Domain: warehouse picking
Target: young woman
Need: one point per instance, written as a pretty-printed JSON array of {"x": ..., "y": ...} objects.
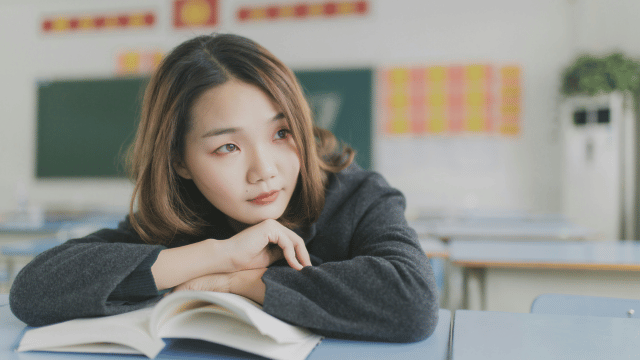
[{"x": 237, "y": 191}]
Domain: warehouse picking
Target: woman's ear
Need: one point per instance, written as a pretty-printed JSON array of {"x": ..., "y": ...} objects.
[{"x": 182, "y": 170}]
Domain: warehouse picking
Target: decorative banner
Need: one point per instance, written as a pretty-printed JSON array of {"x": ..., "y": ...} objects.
[
  {"x": 59, "y": 24},
  {"x": 195, "y": 13},
  {"x": 138, "y": 62},
  {"x": 303, "y": 10},
  {"x": 510, "y": 107},
  {"x": 448, "y": 100}
]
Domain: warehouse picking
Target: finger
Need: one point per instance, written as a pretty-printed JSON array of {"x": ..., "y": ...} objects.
[
  {"x": 289, "y": 252},
  {"x": 300, "y": 248},
  {"x": 302, "y": 253}
]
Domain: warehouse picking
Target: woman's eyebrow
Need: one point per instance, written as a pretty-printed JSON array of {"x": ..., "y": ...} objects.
[
  {"x": 222, "y": 131},
  {"x": 216, "y": 132}
]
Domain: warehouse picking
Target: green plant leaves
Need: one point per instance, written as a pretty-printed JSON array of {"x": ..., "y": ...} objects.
[{"x": 590, "y": 75}]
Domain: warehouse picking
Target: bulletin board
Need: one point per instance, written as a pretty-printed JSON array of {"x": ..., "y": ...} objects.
[
  {"x": 341, "y": 103},
  {"x": 84, "y": 127}
]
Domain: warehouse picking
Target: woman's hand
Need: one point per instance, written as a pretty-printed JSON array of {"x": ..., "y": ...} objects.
[
  {"x": 212, "y": 282},
  {"x": 253, "y": 248},
  {"x": 262, "y": 244},
  {"x": 247, "y": 283}
]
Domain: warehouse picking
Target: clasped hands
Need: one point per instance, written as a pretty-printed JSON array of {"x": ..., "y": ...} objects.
[{"x": 248, "y": 255}]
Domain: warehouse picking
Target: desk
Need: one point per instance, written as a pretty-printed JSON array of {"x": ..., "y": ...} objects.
[
  {"x": 550, "y": 228},
  {"x": 512, "y": 230},
  {"x": 510, "y": 275},
  {"x": 480, "y": 335},
  {"x": 513, "y": 227},
  {"x": 434, "y": 347},
  {"x": 434, "y": 248},
  {"x": 47, "y": 228}
]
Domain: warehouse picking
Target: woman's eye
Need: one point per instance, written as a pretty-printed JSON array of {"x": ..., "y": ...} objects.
[
  {"x": 282, "y": 133},
  {"x": 227, "y": 148}
]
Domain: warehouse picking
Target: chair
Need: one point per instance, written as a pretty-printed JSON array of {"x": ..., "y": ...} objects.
[{"x": 562, "y": 304}]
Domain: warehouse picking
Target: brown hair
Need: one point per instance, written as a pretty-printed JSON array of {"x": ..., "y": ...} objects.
[{"x": 169, "y": 205}]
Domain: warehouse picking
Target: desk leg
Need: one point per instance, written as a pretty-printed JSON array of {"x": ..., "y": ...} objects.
[
  {"x": 445, "y": 296},
  {"x": 465, "y": 288},
  {"x": 473, "y": 289}
]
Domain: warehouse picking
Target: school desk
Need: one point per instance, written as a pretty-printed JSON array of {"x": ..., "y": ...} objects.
[
  {"x": 11, "y": 234},
  {"x": 508, "y": 276},
  {"x": 434, "y": 347},
  {"x": 533, "y": 227},
  {"x": 489, "y": 335},
  {"x": 515, "y": 228},
  {"x": 563, "y": 304},
  {"x": 512, "y": 230},
  {"x": 19, "y": 227},
  {"x": 434, "y": 247}
]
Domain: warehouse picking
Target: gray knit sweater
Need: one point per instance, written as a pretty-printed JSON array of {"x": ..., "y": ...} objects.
[{"x": 370, "y": 279}]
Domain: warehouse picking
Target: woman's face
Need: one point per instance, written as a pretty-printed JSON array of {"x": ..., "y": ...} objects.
[{"x": 240, "y": 154}]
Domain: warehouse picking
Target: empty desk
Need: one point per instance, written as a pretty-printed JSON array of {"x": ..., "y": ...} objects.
[
  {"x": 563, "y": 304},
  {"x": 502, "y": 226},
  {"x": 480, "y": 335},
  {"x": 512, "y": 230},
  {"x": 510, "y": 275}
]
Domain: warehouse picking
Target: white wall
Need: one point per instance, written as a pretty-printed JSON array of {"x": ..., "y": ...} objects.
[{"x": 437, "y": 172}]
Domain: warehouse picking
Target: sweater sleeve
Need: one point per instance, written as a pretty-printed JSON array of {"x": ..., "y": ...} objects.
[
  {"x": 104, "y": 273},
  {"x": 139, "y": 284},
  {"x": 384, "y": 291}
]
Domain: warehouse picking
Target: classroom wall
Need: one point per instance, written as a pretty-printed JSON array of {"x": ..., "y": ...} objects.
[{"x": 486, "y": 171}]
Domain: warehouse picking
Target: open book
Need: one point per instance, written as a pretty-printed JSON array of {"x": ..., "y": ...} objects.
[{"x": 221, "y": 318}]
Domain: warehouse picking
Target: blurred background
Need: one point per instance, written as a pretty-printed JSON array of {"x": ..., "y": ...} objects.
[
  {"x": 442, "y": 166},
  {"x": 501, "y": 110}
]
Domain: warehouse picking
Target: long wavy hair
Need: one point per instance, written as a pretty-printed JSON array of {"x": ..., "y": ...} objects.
[{"x": 170, "y": 206}]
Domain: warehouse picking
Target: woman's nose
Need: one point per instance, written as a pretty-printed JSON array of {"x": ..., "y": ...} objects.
[{"x": 262, "y": 167}]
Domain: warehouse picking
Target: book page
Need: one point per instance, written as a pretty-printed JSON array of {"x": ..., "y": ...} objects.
[
  {"x": 119, "y": 333},
  {"x": 230, "y": 320},
  {"x": 209, "y": 324},
  {"x": 242, "y": 308}
]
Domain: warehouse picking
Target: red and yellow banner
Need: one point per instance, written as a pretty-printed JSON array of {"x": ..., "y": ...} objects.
[
  {"x": 195, "y": 13},
  {"x": 62, "y": 23},
  {"x": 449, "y": 100},
  {"x": 303, "y": 10},
  {"x": 510, "y": 106}
]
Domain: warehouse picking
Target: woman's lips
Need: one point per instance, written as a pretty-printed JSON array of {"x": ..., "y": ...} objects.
[{"x": 266, "y": 198}]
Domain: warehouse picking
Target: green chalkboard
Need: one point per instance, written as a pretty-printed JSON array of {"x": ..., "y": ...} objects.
[
  {"x": 85, "y": 126},
  {"x": 341, "y": 102}
]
